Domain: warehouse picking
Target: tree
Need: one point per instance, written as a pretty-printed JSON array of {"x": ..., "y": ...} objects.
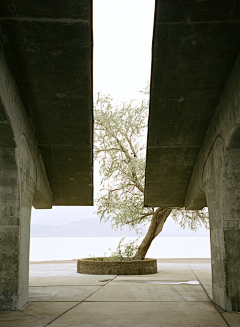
[{"x": 119, "y": 146}]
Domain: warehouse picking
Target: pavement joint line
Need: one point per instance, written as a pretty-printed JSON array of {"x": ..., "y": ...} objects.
[
  {"x": 181, "y": 301},
  {"x": 158, "y": 282},
  {"x": 220, "y": 311},
  {"x": 200, "y": 283},
  {"x": 65, "y": 285},
  {"x": 149, "y": 301},
  {"x": 55, "y": 301},
  {"x": 101, "y": 286},
  {"x": 214, "y": 304},
  {"x": 78, "y": 303},
  {"x": 225, "y": 319},
  {"x": 62, "y": 313}
]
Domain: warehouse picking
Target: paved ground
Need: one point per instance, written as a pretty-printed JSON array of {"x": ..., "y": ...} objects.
[{"x": 178, "y": 295}]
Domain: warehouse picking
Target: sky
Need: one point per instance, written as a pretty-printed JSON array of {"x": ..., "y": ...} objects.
[
  {"x": 122, "y": 36},
  {"x": 122, "y": 46}
]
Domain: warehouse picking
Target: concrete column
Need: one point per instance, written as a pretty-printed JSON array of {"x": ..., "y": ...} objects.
[
  {"x": 16, "y": 196},
  {"x": 23, "y": 182},
  {"x": 217, "y": 176},
  {"x": 222, "y": 190}
]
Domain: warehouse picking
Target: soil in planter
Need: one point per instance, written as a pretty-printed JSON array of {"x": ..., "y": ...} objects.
[{"x": 111, "y": 259}]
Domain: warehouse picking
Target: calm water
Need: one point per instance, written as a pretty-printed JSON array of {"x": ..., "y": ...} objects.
[{"x": 68, "y": 248}]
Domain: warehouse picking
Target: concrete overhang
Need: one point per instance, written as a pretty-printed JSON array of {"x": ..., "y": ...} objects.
[
  {"x": 49, "y": 50},
  {"x": 195, "y": 46}
]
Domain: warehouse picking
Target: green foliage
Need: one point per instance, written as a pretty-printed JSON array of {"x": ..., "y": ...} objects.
[
  {"x": 120, "y": 138},
  {"x": 120, "y": 148},
  {"x": 124, "y": 252},
  {"x": 192, "y": 219}
]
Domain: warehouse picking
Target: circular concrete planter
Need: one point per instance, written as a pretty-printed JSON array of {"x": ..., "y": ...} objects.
[{"x": 99, "y": 266}]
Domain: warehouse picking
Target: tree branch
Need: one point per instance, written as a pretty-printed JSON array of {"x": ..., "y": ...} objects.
[
  {"x": 106, "y": 150},
  {"x": 139, "y": 218},
  {"x": 125, "y": 151}
]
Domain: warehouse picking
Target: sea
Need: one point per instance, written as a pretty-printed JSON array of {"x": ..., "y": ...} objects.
[{"x": 69, "y": 248}]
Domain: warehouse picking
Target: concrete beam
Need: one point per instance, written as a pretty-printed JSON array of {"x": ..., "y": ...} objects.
[
  {"x": 49, "y": 50},
  {"x": 195, "y": 47}
]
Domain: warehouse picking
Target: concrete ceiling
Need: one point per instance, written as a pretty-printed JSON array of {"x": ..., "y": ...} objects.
[
  {"x": 49, "y": 50},
  {"x": 195, "y": 46}
]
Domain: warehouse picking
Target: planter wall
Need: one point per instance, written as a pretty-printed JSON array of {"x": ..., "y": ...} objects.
[{"x": 98, "y": 266}]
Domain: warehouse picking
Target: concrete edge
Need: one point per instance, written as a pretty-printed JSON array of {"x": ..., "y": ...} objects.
[{"x": 173, "y": 260}]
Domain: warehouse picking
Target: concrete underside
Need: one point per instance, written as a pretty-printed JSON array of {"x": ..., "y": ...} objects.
[
  {"x": 48, "y": 47},
  {"x": 60, "y": 297},
  {"x": 195, "y": 47}
]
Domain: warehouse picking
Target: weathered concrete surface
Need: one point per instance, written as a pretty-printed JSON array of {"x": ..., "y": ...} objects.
[
  {"x": 16, "y": 318},
  {"x": 22, "y": 174},
  {"x": 18, "y": 138},
  {"x": 168, "y": 275},
  {"x": 35, "y": 314},
  {"x": 132, "y": 292},
  {"x": 80, "y": 280},
  {"x": 194, "y": 137},
  {"x": 232, "y": 319},
  {"x": 205, "y": 278},
  {"x": 63, "y": 293},
  {"x": 144, "y": 314},
  {"x": 49, "y": 52},
  {"x": 45, "y": 124},
  {"x": 130, "y": 312},
  {"x": 195, "y": 46},
  {"x": 217, "y": 174}
]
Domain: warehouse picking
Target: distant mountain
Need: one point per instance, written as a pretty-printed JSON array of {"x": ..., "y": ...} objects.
[
  {"x": 82, "y": 228},
  {"x": 93, "y": 228}
]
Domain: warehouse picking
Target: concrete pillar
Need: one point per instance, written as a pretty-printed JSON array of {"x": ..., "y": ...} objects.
[
  {"x": 23, "y": 183},
  {"x": 217, "y": 176},
  {"x": 17, "y": 187},
  {"x": 222, "y": 190}
]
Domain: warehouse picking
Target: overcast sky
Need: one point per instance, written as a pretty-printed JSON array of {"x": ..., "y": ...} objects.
[
  {"x": 122, "y": 46},
  {"x": 122, "y": 31}
]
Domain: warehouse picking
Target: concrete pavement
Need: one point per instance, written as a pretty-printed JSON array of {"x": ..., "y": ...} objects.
[{"x": 178, "y": 295}]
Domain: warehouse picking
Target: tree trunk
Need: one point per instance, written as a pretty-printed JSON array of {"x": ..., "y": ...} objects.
[{"x": 156, "y": 226}]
